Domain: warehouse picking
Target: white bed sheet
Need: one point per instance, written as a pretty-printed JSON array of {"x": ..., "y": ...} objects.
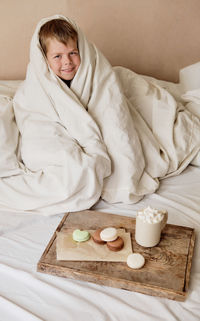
[{"x": 27, "y": 295}]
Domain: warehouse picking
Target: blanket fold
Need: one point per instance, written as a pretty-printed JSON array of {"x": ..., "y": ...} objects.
[{"x": 112, "y": 134}]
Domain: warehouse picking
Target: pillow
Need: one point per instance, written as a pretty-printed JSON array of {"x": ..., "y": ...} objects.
[
  {"x": 9, "y": 87},
  {"x": 9, "y": 136}
]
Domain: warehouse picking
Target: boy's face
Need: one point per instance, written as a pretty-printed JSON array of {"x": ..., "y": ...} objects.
[{"x": 63, "y": 59}]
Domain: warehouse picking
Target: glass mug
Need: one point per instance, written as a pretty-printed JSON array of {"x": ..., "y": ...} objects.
[{"x": 149, "y": 225}]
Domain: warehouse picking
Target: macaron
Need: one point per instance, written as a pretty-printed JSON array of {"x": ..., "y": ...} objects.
[
  {"x": 116, "y": 245},
  {"x": 108, "y": 234},
  {"x": 96, "y": 237},
  {"x": 135, "y": 260},
  {"x": 80, "y": 236}
]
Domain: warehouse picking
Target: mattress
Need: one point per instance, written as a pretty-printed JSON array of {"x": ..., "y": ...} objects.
[{"x": 26, "y": 294}]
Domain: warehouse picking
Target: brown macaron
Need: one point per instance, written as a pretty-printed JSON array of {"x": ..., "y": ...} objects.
[
  {"x": 96, "y": 237},
  {"x": 116, "y": 245}
]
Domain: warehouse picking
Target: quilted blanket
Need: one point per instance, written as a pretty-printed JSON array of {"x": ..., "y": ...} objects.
[{"x": 112, "y": 134}]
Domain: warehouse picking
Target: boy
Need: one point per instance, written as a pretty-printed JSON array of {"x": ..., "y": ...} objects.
[
  {"x": 59, "y": 41},
  {"x": 95, "y": 139}
]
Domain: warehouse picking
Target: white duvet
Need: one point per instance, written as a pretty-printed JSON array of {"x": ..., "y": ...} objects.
[{"x": 113, "y": 134}]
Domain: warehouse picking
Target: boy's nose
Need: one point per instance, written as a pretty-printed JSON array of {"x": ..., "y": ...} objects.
[{"x": 67, "y": 60}]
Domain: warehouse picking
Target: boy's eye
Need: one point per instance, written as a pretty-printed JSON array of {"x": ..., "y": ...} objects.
[
  {"x": 74, "y": 53},
  {"x": 57, "y": 56}
]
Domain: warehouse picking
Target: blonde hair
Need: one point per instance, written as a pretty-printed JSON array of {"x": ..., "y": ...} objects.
[{"x": 60, "y": 29}]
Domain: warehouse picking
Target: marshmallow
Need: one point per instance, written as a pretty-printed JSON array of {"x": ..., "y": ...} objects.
[{"x": 151, "y": 215}]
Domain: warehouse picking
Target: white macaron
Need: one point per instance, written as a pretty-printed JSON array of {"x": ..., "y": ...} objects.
[
  {"x": 135, "y": 260},
  {"x": 108, "y": 234}
]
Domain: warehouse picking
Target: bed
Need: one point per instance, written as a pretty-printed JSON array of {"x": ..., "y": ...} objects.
[{"x": 27, "y": 294}]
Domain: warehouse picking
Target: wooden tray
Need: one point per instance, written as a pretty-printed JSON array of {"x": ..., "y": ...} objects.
[{"x": 167, "y": 266}]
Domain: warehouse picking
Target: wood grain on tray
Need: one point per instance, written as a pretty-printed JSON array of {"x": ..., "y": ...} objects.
[{"x": 167, "y": 266}]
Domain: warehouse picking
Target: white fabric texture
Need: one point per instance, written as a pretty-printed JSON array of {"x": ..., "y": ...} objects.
[
  {"x": 9, "y": 132},
  {"x": 26, "y": 295},
  {"x": 112, "y": 134},
  {"x": 190, "y": 87},
  {"x": 9, "y": 138}
]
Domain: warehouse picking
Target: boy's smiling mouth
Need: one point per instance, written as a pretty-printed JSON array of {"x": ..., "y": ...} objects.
[{"x": 67, "y": 70}]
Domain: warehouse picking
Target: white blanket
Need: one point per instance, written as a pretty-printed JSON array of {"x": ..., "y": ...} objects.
[{"x": 111, "y": 134}]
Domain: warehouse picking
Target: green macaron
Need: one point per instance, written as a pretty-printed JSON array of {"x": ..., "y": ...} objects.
[{"x": 80, "y": 236}]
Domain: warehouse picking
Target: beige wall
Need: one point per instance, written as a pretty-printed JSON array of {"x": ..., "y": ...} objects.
[{"x": 153, "y": 37}]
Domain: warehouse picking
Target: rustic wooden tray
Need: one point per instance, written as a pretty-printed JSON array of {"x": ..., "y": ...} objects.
[{"x": 167, "y": 266}]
